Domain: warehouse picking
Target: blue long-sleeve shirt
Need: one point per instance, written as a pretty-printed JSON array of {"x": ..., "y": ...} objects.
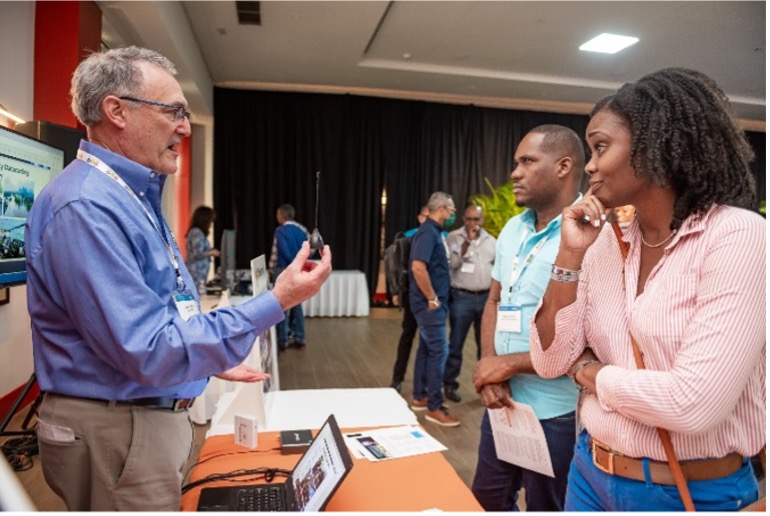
[
  {"x": 287, "y": 241},
  {"x": 100, "y": 293}
]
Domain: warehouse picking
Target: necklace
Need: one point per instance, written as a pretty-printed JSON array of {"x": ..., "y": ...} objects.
[{"x": 669, "y": 237}]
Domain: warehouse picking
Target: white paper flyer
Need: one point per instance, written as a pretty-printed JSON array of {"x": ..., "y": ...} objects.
[
  {"x": 392, "y": 443},
  {"x": 519, "y": 438}
]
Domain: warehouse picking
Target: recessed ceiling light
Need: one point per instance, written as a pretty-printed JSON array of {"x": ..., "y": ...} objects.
[{"x": 608, "y": 43}]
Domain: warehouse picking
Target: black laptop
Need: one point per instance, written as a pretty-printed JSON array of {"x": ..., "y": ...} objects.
[{"x": 314, "y": 480}]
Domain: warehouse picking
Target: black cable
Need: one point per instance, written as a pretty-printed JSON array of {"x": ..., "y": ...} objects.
[
  {"x": 267, "y": 474},
  {"x": 187, "y": 473},
  {"x": 20, "y": 451}
]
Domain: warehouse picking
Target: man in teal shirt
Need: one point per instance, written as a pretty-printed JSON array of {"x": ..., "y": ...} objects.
[{"x": 549, "y": 167}]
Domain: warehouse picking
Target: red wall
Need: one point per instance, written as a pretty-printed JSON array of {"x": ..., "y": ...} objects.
[{"x": 65, "y": 33}]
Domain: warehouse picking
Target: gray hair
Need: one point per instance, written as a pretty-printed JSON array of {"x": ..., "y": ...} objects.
[
  {"x": 113, "y": 72},
  {"x": 287, "y": 210},
  {"x": 438, "y": 200}
]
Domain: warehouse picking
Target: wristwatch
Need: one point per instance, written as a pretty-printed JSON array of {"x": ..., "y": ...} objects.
[{"x": 434, "y": 302}]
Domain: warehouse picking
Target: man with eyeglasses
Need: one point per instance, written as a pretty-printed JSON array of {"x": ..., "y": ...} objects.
[
  {"x": 472, "y": 254},
  {"x": 120, "y": 346},
  {"x": 428, "y": 297}
]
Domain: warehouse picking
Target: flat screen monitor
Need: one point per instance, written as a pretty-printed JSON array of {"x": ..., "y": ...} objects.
[
  {"x": 228, "y": 260},
  {"x": 26, "y": 166}
]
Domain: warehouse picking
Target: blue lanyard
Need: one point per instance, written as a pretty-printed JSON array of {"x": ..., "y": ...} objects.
[
  {"x": 105, "y": 169},
  {"x": 518, "y": 266}
]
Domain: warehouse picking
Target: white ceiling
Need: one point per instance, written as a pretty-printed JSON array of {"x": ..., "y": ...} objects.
[{"x": 509, "y": 54}]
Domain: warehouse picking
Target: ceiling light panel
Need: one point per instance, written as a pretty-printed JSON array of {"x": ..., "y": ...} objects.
[{"x": 608, "y": 43}]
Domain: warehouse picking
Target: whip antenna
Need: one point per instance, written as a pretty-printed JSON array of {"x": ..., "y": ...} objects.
[{"x": 316, "y": 242}]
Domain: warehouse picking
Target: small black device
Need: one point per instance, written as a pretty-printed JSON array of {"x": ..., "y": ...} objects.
[
  {"x": 295, "y": 441},
  {"x": 316, "y": 242}
]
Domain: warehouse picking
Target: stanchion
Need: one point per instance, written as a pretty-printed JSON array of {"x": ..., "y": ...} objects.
[{"x": 25, "y": 429}]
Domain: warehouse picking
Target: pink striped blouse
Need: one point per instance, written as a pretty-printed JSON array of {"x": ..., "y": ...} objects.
[{"x": 700, "y": 325}]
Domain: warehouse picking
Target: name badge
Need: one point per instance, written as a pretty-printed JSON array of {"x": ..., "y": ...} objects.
[
  {"x": 186, "y": 305},
  {"x": 509, "y": 318},
  {"x": 468, "y": 267}
]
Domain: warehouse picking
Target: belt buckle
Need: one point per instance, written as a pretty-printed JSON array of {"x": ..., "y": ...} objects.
[
  {"x": 182, "y": 404},
  {"x": 610, "y": 469}
]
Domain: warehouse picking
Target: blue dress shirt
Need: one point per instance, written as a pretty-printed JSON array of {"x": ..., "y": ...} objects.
[{"x": 100, "y": 292}]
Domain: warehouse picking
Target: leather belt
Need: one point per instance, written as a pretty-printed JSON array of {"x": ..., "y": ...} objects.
[
  {"x": 475, "y": 292},
  {"x": 160, "y": 402},
  {"x": 614, "y": 463}
]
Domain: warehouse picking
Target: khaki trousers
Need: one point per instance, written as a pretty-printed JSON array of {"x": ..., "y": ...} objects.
[{"x": 100, "y": 456}]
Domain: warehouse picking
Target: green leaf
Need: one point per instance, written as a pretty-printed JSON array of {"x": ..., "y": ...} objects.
[{"x": 499, "y": 206}]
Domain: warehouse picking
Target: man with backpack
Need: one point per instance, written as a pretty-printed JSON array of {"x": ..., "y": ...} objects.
[{"x": 397, "y": 272}]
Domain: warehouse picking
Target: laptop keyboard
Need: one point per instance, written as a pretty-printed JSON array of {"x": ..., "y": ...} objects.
[{"x": 266, "y": 498}]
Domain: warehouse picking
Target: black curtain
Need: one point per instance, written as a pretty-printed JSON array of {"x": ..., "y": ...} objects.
[
  {"x": 758, "y": 141},
  {"x": 269, "y": 145}
]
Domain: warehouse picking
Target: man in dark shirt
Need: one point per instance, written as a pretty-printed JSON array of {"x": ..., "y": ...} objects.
[
  {"x": 287, "y": 241},
  {"x": 429, "y": 296},
  {"x": 408, "y": 324}
]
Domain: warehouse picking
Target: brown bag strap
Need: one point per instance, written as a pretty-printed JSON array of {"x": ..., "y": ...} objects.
[{"x": 665, "y": 437}]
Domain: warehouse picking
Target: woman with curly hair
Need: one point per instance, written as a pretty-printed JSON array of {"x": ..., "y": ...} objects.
[{"x": 662, "y": 325}]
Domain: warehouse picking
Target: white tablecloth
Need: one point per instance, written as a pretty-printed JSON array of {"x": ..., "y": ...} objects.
[
  {"x": 343, "y": 294},
  {"x": 309, "y": 408}
]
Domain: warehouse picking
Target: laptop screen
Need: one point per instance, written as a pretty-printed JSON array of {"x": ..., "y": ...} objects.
[{"x": 321, "y": 469}]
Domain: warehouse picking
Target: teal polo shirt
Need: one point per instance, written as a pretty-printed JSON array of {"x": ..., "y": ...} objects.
[{"x": 548, "y": 398}]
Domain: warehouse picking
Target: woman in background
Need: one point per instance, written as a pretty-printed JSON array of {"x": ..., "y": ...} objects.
[
  {"x": 199, "y": 250},
  {"x": 690, "y": 292}
]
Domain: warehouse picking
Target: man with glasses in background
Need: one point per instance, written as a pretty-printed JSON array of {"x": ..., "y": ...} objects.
[
  {"x": 472, "y": 254},
  {"x": 120, "y": 346},
  {"x": 429, "y": 296}
]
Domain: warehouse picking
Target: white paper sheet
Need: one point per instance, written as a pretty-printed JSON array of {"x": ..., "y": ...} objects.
[
  {"x": 519, "y": 438},
  {"x": 392, "y": 443}
]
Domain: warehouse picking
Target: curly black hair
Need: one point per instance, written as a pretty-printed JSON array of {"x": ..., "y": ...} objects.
[{"x": 684, "y": 136}]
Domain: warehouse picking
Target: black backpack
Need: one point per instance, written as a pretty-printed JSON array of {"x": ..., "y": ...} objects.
[{"x": 397, "y": 265}]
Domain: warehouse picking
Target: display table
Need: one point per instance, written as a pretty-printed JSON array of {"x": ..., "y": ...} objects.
[
  {"x": 343, "y": 294},
  {"x": 418, "y": 483}
]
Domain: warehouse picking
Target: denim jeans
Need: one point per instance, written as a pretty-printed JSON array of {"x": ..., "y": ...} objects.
[
  {"x": 431, "y": 356},
  {"x": 464, "y": 308},
  {"x": 590, "y": 489},
  {"x": 294, "y": 322},
  {"x": 497, "y": 483},
  {"x": 408, "y": 331}
]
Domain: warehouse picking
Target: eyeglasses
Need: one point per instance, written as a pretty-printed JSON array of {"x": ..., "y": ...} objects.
[
  {"x": 179, "y": 112},
  {"x": 474, "y": 219}
]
